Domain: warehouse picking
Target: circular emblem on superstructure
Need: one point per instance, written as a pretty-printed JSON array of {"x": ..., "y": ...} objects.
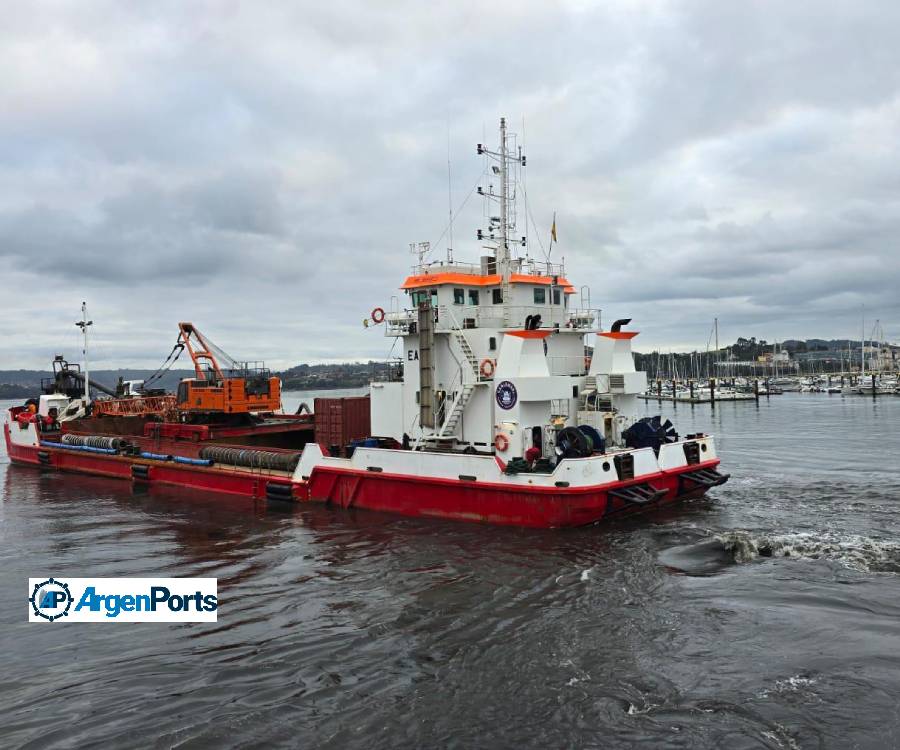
[{"x": 506, "y": 395}]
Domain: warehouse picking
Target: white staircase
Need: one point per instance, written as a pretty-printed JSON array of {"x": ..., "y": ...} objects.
[
  {"x": 457, "y": 409},
  {"x": 467, "y": 353},
  {"x": 471, "y": 377}
]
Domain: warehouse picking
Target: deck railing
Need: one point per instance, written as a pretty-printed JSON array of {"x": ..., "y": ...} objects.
[{"x": 475, "y": 316}]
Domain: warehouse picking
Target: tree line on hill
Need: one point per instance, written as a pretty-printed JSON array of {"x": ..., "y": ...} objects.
[
  {"x": 305, "y": 377},
  {"x": 16, "y": 384}
]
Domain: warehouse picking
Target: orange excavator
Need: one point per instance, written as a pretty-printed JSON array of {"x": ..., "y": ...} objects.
[{"x": 241, "y": 388}]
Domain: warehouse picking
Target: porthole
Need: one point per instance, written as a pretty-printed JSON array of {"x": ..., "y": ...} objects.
[{"x": 606, "y": 466}]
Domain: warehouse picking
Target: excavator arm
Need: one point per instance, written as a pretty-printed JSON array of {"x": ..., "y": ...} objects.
[
  {"x": 201, "y": 352},
  {"x": 242, "y": 390}
]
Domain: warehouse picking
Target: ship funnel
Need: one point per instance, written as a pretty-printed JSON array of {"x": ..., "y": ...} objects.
[{"x": 612, "y": 352}]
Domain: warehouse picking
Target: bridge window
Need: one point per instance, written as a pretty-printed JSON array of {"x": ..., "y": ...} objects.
[
  {"x": 498, "y": 296},
  {"x": 473, "y": 296},
  {"x": 459, "y": 296},
  {"x": 540, "y": 295},
  {"x": 422, "y": 296},
  {"x": 556, "y": 296}
]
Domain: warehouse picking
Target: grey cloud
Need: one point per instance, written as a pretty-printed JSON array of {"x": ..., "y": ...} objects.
[{"x": 263, "y": 167}]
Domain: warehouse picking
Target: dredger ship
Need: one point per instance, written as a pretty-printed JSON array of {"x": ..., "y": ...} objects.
[{"x": 511, "y": 405}]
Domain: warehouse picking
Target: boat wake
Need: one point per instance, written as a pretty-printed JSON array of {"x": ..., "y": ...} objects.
[
  {"x": 856, "y": 552},
  {"x": 724, "y": 550}
]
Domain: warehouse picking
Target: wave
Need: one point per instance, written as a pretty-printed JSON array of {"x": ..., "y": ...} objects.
[{"x": 860, "y": 553}]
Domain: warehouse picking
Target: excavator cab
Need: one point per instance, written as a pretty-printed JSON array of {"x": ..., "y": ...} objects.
[{"x": 240, "y": 388}]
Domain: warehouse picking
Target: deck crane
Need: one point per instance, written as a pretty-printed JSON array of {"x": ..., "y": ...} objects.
[{"x": 240, "y": 388}]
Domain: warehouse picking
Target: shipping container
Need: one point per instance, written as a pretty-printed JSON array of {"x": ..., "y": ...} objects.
[{"x": 341, "y": 420}]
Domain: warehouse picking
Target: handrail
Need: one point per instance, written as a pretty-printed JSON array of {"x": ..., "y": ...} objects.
[
  {"x": 571, "y": 364},
  {"x": 473, "y": 366},
  {"x": 528, "y": 267},
  {"x": 580, "y": 319},
  {"x": 456, "y": 382}
]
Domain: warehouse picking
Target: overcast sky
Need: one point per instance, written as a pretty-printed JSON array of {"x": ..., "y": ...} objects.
[{"x": 260, "y": 168}]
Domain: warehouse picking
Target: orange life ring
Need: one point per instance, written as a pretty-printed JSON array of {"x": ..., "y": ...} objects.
[
  {"x": 378, "y": 315},
  {"x": 487, "y": 367},
  {"x": 501, "y": 442}
]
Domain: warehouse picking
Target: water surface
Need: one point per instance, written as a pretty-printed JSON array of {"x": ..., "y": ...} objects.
[{"x": 764, "y": 616}]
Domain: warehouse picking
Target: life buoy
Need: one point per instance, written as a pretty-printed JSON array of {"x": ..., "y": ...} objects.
[
  {"x": 501, "y": 442},
  {"x": 487, "y": 367},
  {"x": 378, "y": 315}
]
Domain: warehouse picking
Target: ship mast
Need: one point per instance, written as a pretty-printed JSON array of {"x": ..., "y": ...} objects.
[
  {"x": 506, "y": 221},
  {"x": 83, "y": 325},
  {"x": 502, "y": 253}
]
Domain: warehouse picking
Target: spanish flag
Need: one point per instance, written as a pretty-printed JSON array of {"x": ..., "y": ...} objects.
[{"x": 553, "y": 229}]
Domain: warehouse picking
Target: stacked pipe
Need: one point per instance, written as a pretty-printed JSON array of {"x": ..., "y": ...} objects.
[
  {"x": 253, "y": 459},
  {"x": 94, "y": 441}
]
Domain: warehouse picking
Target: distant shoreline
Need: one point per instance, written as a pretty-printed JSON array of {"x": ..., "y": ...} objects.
[
  {"x": 27, "y": 383},
  {"x": 17, "y": 391},
  {"x": 8, "y": 391}
]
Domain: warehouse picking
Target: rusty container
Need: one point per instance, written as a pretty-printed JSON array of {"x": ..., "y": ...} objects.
[{"x": 340, "y": 420}]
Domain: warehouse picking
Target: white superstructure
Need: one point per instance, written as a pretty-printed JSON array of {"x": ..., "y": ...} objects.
[{"x": 494, "y": 353}]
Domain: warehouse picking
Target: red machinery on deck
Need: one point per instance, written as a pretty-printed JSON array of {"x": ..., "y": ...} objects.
[{"x": 139, "y": 406}]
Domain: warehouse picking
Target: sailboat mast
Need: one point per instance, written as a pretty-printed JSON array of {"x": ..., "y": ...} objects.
[
  {"x": 716, "y": 368},
  {"x": 862, "y": 346}
]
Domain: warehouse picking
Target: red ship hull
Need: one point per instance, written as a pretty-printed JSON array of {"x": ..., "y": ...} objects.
[
  {"x": 494, "y": 503},
  {"x": 484, "y": 502}
]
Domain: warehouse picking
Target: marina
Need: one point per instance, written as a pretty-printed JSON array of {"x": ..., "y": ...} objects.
[{"x": 743, "y": 389}]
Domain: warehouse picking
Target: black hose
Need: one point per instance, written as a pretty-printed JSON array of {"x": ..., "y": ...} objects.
[{"x": 253, "y": 459}]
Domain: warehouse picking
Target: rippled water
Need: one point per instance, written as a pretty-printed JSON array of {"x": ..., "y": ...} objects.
[{"x": 767, "y": 615}]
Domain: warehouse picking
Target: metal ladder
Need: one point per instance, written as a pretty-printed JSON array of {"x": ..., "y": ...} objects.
[
  {"x": 470, "y": 377},
  {"x": 467, "y": 352},
  {"x": 457, "y": 409}
]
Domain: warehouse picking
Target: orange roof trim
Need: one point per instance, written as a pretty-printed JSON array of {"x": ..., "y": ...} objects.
[
  {"x": 619, "y": 334},
  {"x": 529, "y": 334},
  {"x": 467, "y": 279}
]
